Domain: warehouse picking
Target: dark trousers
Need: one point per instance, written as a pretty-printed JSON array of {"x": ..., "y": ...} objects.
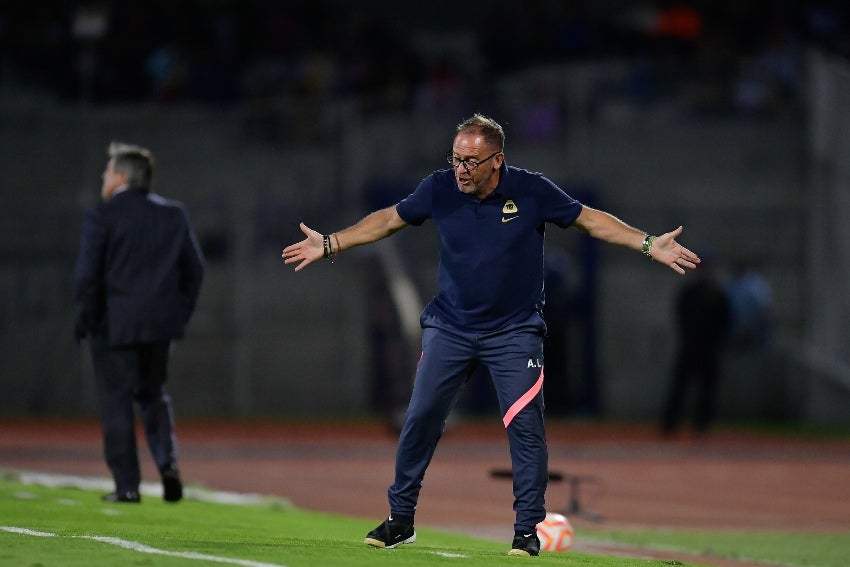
[
  {"x": 700, "y": 370},
  {"x": 128, "y": 375},
  {"x": 514, "y": 359}
]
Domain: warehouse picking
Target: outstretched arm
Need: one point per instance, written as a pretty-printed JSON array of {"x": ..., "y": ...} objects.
[
  {"x": 663, "y": 248},
  {"x": 373, "y": 227}
]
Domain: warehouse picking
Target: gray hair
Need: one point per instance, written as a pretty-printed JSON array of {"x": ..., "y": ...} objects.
[
  {"x": 491, "y": 130},
  {"x": 135, "y": 161}
]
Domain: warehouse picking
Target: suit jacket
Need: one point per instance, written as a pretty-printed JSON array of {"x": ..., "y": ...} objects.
[{"x": 139, "y": 270}]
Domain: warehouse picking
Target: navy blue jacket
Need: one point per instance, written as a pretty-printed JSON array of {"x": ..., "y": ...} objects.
[{"x": 139, "y": 271}]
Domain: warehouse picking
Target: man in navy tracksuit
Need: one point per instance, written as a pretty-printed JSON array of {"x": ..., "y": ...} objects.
[{"x": 490, "y": 218}]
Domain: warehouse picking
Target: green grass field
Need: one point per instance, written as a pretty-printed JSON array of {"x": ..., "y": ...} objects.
[{"x": 46, "y": 526}]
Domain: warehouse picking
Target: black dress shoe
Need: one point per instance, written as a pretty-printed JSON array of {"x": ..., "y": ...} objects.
[
  {"x": 172, "y": 487},
  {"x": 129, "y": 496}
]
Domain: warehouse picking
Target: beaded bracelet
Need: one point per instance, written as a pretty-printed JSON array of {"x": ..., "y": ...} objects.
[
  {"x": 326, "y": 243},
  {"x": 328, "y": 249}
]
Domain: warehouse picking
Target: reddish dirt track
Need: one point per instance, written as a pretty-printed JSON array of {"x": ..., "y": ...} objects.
[{"x": 627, "y": 475}]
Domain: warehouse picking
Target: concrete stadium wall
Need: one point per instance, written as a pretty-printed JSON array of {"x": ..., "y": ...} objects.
[{"x": 267, "y": 342}]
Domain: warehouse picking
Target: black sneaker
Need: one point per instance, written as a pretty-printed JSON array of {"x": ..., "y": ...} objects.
[
  {"x": 525, "y": 545},
  {"x": 391, "y": 533},
  {"x": 172, "y": 487},
  {"x": 127, "y": 496}
]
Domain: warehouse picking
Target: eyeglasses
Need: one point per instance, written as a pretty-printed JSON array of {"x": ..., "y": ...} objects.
[{"x": 469, "y": 164}]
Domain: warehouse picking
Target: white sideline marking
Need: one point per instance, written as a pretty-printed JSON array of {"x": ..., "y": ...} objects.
[
  {"x": 136, "y": 546},
  {"x": 25, "y": 531},
  {"x": 450, "y": 555},
  {"x": 151, "y": 489}
]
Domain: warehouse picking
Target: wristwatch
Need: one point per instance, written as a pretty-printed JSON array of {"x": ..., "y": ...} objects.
[{"x": 647, "y": 245}]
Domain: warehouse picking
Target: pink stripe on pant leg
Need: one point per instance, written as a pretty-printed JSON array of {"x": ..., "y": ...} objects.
[{"x": 523, "y": 401}]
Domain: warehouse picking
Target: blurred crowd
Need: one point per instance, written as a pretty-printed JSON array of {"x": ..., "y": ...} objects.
[{"x": 718, "y": 53}]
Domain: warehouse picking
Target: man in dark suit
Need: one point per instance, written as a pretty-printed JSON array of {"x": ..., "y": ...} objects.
[{"x": 136, "y": 284}]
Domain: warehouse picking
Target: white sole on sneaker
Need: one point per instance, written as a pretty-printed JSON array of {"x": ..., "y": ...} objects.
[{"x": 378, "y": 543}]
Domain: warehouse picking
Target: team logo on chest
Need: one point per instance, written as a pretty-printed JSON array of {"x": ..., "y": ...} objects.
[{"x": 510, "y": 211}]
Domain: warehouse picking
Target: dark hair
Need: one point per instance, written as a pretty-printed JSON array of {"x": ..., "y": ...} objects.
[
  {"x": 491, "y": 130},
  {"x": 136, "y": 162}
]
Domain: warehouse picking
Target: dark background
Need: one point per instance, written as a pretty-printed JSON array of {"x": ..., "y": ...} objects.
[{"x": 722, "y": 116}]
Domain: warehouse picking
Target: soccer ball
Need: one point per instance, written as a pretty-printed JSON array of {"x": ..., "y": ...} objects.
[{"x": 555, "y": 533}]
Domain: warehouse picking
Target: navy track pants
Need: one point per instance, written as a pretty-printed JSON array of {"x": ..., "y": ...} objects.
[{"x": 514, "y": 358}]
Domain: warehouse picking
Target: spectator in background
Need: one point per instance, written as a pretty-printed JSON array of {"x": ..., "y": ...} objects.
[
  {"x": 444, "y": 88},
  {"x": 136, "y": 283},
  {"x": 542, "y": 119},
  {"x": 750, "y": 300},
  {"x": 678, "y": 21},
  {"x": 703, "y": 322}
]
